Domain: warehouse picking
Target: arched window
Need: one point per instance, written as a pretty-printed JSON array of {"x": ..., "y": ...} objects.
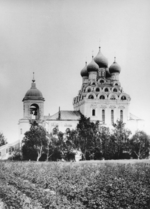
[
  {"x": 101, "y": 81},
  {"x": 115, "y": 90},
  {"x": 89, "y": 90},
  {"x": 121, "y": 115},
  {"x": 93, "y": 84},
  {"x": 93, "y": 112},
  {"x": 116, "y": 84},
  {"x": 123, "y": 98},
  {"x": 106, "y": 90},
  {"x": 97, "y": 89},
  {"x": 112, "y": 97},
  {"x": 112, "y": 117},
  {"x": 103, "y": 116},
  {"x": 102, "y": 97},
  {"x": 91, "y": 97},
  {"x": 34, "y": 111}
]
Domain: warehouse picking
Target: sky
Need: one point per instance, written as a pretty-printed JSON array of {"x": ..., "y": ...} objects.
[{"x": 54, "y": 38}]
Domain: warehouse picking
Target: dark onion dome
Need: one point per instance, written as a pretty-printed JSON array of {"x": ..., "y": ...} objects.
[
  {"x": 114, "y": 68},
  {"x": 92, "y": 66},
  {"x": 33, "y": 93},
  {"x": 101, "y": 60},
  {"x": 84, "y": 72},
  {"x": 108, "y": 75}
]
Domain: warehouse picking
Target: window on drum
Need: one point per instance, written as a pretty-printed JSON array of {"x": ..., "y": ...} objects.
[
  {"x": 93, "y": 112},
  {"x": 103, "y": 116},
  {"x": 121, "y": 115},
  {"x": 112, "y": 117}
]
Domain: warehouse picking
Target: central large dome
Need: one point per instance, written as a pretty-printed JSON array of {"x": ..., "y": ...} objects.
[
  {"x": 101, "y": 60},
  {"x": 33, "y": 93}
]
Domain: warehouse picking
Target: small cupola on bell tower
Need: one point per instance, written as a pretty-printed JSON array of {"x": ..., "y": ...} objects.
[{"x": 33, "y": 103}]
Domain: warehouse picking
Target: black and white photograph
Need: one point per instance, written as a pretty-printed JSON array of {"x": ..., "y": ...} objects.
[{"x": 74, "y": 104}]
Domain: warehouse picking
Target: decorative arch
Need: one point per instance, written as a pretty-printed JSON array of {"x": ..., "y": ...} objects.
[
  {"x": 101, "y": 81},
  {"x": 89, "y": 89},
  {"x": 113, "y": 97},
  {"x": 97, "y": 89},
  {"x": 106, "y": 89},
  {"x": 124, "y": 97},
  {"x": 116, "y": 84},
  {"x": 115, "y": 90},
  {"x": 91, "y": 96},
  {"x": 34, "y": 111},
  {"x": 102, "y": 96},
  {"x": 93, "y": 83}
]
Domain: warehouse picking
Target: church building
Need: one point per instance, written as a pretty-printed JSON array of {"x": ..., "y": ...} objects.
[{"x": 101, "y": 98}]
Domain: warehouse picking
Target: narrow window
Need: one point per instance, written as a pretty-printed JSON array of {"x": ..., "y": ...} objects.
[
  {"x": 112, "y": 117},
  {"x": 106, "y": 90},
  {"x": 103, "y": 73},
  {"x": 103, "y": 116},
  {"x": 121, "y": 115},
  {"x": 93, "y": 112}
]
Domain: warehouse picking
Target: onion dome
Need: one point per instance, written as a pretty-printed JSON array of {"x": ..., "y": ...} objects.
[
  {"x": 114, "y": 68},
  {"x": 101, "y": 60},
  {"x": 92, "y": 66},
  {"x": 33, "y": 93},
  {"x": 108, "y": 75},
  {"x": 84, "y": 72}
]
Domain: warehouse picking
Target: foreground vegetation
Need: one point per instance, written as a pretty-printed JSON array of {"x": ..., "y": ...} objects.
[{"x": 86, "y": 184}]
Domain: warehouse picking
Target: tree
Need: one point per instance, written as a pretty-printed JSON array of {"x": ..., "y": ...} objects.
[
  {"x": 88, "y": 137},
  {"x": 16, "y": 154},
  {"x": 120, "y": 140},
  {"x": 108, "y": 150},
  {"x": 2, "y": 140},
  {"x": 140, "y": 145},
  {"x": 56, "y": 147},
  {"x": 34, "y": 142}
]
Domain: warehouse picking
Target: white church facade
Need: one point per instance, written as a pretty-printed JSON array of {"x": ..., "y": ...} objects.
[{"x": 101, "y": 98}]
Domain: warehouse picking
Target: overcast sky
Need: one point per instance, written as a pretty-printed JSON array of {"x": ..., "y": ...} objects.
[{"x": 54, "y": 38}]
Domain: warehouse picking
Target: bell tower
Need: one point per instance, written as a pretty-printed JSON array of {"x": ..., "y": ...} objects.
[{"x": 33, "y": 108}]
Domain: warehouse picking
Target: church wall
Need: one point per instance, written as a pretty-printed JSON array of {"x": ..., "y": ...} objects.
[
  {"x": 86, "y": 106},
  {"x": 24, "y": 126},
  {"x": 62, "y": 125}
]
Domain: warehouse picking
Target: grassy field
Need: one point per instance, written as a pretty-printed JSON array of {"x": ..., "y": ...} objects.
[{"x": 122, "y": 184}]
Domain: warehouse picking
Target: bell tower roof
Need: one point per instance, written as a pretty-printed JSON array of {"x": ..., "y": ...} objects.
[{"x": 33, "y": 93}]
